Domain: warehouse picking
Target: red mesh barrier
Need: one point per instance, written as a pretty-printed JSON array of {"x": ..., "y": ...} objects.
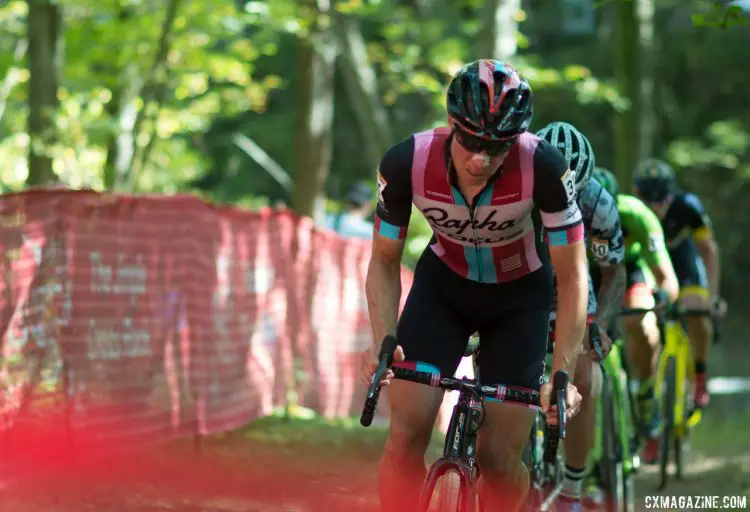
[{"x": 128, "y": 319}]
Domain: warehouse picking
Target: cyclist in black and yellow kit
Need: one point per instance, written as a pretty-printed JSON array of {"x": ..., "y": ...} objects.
[{"x": 694, "y": 254}]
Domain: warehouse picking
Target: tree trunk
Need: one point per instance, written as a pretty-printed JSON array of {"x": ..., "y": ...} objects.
[
  {"x": 122, "y": 111},
  {"x": 362, "y": 91},
  {"x": 627, "y": 139},
  {"x": 497, "y": 37},
  {"x": 313, "y": 142},
  {"x": 647, "y": 119},
  {"x": 44, "y": 27}
]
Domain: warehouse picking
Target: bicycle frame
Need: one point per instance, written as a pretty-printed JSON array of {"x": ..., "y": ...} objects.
[
  {"x": 613, "y": 366},
  {"x": 458, "y": 454},
  {"x": 460, "y": 443},
  {"x": 676, "y": 346}
]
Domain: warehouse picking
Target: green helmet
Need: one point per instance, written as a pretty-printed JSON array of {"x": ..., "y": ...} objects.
[
  {"x": 574, "y": 146},
  {"x": 607, "y": 180}
]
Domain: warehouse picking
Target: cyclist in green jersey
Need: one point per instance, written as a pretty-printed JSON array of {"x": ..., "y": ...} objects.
[{"x": 649, "y": 270}]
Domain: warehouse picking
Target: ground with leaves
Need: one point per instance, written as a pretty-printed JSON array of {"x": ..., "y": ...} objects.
[{"x": 305, "y": 466}]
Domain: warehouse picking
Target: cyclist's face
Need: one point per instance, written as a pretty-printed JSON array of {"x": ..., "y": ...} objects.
[
  {"x": 658, "y": 207},
  {"x": 476, "y": 159}
]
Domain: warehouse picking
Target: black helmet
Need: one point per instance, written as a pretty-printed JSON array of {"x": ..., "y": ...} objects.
[
  {"x": 574, "y": 146},
  {"x": 359, "y": 194},
  {"x": 654, "y": 180},
  {"x": 489, "y": 99}
]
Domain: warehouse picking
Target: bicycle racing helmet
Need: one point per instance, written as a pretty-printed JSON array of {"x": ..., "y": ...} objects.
[
  {"x": 574, "y": 146},
  {"x": 489, "y": 100},
  {"x": 359, "y": 194},
  {"x": 607, "y": 180},
  {"x": 654, "y": 180}
]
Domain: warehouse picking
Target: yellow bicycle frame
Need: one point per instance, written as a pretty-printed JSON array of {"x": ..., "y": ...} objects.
[{"x": 677, "y": 346}]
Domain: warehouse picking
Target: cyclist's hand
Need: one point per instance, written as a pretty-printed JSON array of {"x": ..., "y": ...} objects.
[
  {"x": 719, "y": 307},
  {"x": 572, "y": 402},
  {"x": 606, "y": 344},
  {"x": 369, "y": 363}
]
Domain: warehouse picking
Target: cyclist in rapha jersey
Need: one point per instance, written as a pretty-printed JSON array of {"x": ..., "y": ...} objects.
[
  {"x": 649, "y": 272},
  {"x": 486, "y": 269},
  {"x": 605, "y": 245},
  {"x": 694, "y": 253}
]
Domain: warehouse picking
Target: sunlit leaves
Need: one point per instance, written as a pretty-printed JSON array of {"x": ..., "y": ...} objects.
[
  {"x": 721, "y": 15},
  {"x": 726, "y": 144}
]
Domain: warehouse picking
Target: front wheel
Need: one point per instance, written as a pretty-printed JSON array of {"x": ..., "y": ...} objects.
[
  {"x": 668, "y": 404},
  {"x": 448, "y": 493},
  {"x": 611, "y": 468}
]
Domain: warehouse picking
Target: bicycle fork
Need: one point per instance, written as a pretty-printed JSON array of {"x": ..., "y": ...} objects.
[{"x": 458, "y": 456}]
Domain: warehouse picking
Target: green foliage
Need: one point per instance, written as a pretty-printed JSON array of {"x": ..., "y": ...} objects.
[{"x": 233, "y": 67}]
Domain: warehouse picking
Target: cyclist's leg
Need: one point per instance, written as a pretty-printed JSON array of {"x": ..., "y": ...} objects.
[
  {"x": 581, "y": 430},
  {"x": 643, "y": 350},
  {"x": 580, "y": 439},
  {"x": 513, "y": 351},
  {"x": 691, "y": 273},
  {"x": 429, "y": 331}
]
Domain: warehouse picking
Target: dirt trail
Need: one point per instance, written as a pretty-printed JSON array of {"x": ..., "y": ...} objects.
[
  {"x": 705, "y": 475},
  {"x": 326, "y": 470}
]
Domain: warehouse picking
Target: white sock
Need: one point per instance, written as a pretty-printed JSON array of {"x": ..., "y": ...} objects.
[{"x": 573, "y": 482}]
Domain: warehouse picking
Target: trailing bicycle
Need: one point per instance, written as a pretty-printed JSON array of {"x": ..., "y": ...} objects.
[
  {"x": 615, "y": 443},
  {"x": 675, "y": 375},
  {"x": 458, "y": 466}
]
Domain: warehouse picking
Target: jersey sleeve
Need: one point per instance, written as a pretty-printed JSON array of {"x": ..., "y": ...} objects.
[
  {"x": 697, "y": 218},
  {"x": 394, "y": 191},
  {"x": 607, "y": 243},
  {"x": 555, "y": 196},
  {"x": 647, "y": 231}
]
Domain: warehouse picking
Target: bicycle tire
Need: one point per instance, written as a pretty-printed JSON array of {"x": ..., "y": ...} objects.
[
  {"x": 532, "y": 459},
  {"x": 610, "y": 465},
  {"x": 628, "y": 470},
  {"x": 449, "y": 493},
  {"x": 668, "y": 405},
  {"x": 682, "y": 441}
]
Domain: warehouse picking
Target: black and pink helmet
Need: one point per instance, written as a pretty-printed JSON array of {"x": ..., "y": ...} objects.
[{"x": 489, "y": 99}]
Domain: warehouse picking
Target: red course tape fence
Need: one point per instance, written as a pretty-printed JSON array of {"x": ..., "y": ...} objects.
[{"x": 144, "y": 318}]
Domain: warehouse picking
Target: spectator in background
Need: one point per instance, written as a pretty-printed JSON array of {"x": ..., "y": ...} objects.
[{"x": 352, "y": 221}]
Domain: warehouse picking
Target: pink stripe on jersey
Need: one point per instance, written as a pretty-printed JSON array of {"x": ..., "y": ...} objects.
[
  {"x": 422, "y": 145},
  {"x": 529, "y": 242},
  {"x": 436, "y": 183},
  {"x": 529, "y": 143}
]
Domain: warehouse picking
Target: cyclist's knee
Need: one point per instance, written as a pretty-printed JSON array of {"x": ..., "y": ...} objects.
[
  {"x": 501, "y": 461},
  {"x": 413, "y": 413},
  {"x": 634, "y": 324},
  {"x": 639, "y": 325},
  {"x": 407, "y": 442}
]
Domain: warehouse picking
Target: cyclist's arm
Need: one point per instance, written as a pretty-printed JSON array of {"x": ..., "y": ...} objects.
[
  {"x": 608, "y": 250},
  {"x": 383, "y": 284},
  {"x": 705, "y": 241},
  {"x": 647, "y": 230},
  {"x": 611, "y": 294},
  {"x": 554, "y": 194}
]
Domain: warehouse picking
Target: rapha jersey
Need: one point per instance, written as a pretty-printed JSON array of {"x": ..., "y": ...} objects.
[
  {"x": 495, "y": 239},
  {"x": 602, "y": 224}
]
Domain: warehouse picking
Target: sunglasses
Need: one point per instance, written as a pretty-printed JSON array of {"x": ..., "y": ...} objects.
[{"x": 474, "y": 144}]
